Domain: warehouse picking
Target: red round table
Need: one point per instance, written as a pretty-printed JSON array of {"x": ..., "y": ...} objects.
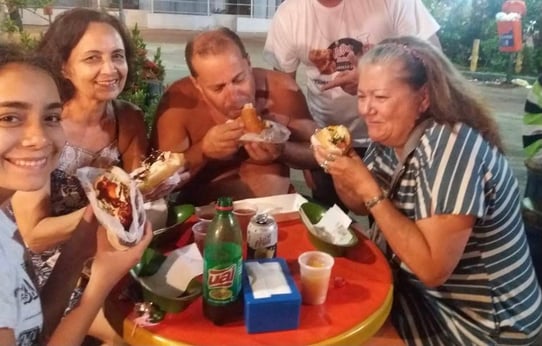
[{"x": 358, "y": 303}]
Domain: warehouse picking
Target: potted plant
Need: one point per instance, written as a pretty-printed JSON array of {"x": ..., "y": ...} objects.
[{"x": 148, "y": 84}]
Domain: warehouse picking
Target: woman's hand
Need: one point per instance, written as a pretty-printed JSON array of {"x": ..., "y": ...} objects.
[
  {"x": 110, "y": 265},
  {"x": 353, "y": 181}
]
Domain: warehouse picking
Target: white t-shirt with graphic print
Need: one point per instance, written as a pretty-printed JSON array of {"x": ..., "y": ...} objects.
[
  {"x": 20, "y": 307},
  {"x": 326, "y": 39}
]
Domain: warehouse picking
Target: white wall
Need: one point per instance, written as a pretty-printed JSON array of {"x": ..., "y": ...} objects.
[
  {"x": 178, "y": 21},
  {"x": 245, "y": 24},
  {"x": 145, "y": 19}
]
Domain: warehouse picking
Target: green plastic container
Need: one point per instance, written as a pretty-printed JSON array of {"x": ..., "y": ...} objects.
[
  {"x": 177, "y": 215},
  {"x": 311, "y": 213},
  {"x": 148, "y": 265}
]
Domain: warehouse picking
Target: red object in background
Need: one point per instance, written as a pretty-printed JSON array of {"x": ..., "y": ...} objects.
[
  {"x": 517, "y": 6},
  {"x": 510, "y": 37}
]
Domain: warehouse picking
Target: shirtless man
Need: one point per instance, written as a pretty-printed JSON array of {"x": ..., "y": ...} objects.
[{"x": 199, "y": 115}]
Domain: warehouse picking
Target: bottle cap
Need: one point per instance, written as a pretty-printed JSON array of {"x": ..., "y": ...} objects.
[{"x": 224, "y": 204}]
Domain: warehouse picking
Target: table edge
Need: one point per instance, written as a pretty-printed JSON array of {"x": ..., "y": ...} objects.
[
  {"x": 356, "y": 335},
  {"x": 365, "y": 330}
]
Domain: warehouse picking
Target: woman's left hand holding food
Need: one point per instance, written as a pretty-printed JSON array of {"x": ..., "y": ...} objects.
[{"x": 353, "y": 181}]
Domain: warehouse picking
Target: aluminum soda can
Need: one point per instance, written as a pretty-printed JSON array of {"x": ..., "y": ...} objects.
[{"x": 262, "y": 236}]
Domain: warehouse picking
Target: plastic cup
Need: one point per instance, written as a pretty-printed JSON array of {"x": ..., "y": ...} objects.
[
  {"x": 200, "y": 231},
  {"x": 244, "y": 212},
  {"x": 206, "y": 212},
  {"x": 315, "y": 268}
]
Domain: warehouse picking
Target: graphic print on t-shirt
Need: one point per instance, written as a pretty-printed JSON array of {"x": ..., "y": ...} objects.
[
  {"x": 29, "y": 337},
  {"x": 27, "y": 294},
  {"x": 341, "y": 55}
]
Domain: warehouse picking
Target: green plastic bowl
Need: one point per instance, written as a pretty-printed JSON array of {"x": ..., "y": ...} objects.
[
  {"x": 148, "y": 265},
  {"x": 311, "y": 213},
  {"x": 177, "y": 214}
]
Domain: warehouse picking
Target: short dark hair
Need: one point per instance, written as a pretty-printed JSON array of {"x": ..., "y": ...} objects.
[
  {"x": 211, "y": 43},
  {"x": 65, "y": 33},
  {"x": 12, "y": 54}
]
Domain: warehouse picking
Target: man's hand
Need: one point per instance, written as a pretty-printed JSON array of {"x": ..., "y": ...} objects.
[
  {"x": 222, "y": 141},
  {"x": 347, "y": 80},
  {"x": 263, "y": 153}
]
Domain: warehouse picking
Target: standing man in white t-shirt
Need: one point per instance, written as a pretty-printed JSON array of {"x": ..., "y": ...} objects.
[{"x": 327, "y": 37}]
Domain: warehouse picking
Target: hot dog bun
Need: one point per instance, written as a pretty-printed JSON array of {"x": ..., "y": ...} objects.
[
  {"x": 335, "y": 138},
  {"x": 253, "y": 123},
  {"x": 157, "y": 168}
]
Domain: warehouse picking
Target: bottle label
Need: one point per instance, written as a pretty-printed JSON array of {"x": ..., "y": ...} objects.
[{"x": 222, "y": 273}]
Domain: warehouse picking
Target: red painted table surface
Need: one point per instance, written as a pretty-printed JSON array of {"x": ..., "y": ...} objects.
[{"x": 358, "y": 302}]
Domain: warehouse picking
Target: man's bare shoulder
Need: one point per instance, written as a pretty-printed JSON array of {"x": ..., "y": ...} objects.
[
  {"x": 275, "y": 80},
  {"x": 179, "y": 98},
  {"x": 181, "y": 89}
]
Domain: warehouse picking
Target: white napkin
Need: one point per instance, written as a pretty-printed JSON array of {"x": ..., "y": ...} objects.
[
  {"x": 273, "y": 133},
  {"x": 174, "y": 275},
  {"x": 266, "y": 279},
  {"x": 333, "y": 226}
]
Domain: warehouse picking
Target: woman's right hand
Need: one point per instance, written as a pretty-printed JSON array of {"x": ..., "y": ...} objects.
[
  {"x": 110, "y": 265},
  {"x": 353, "y": 181}
]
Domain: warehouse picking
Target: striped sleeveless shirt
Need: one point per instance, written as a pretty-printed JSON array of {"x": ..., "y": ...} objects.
[{"x": 492, "y": 296}]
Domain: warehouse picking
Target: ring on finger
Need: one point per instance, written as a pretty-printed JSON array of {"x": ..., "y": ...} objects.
[{"x": 324, "y": 165}]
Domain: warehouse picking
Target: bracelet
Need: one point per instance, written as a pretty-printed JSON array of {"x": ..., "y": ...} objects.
[{"x": 374, "y": 201}]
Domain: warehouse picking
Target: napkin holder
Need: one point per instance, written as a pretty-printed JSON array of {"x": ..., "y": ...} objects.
[{"x": 277, "y": 312}]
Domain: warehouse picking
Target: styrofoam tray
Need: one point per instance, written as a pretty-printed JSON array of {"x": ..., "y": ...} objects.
[{"x": 282, "y": 207}]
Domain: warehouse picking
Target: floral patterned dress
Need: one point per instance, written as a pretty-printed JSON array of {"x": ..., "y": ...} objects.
[{"x": 67, "y": 195}]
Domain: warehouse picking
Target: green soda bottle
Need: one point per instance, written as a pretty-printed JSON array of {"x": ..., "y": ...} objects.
[{"x": 223, "y": 266}]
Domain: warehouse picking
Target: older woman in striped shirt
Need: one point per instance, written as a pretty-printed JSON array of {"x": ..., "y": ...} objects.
[{"x": 444, "y": 200}]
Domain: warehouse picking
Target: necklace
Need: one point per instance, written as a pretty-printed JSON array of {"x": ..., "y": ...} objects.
[{"x": 325, "y": 28}]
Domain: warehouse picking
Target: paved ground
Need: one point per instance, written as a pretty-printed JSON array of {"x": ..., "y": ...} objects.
[{"x": 507, "y": 103}]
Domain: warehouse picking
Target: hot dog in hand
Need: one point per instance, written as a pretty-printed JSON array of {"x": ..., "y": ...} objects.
[
  {"x": 116, "y": 202},
  {"x": 113, "y": 196},
  {"x": 158, "y": 167},
  {"x": 253, "y": 123}
]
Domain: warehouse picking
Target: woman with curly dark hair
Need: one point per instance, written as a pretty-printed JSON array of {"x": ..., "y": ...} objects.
[
  {"x": 31, "y": 141},
  {"x": 93, "y": 52}
]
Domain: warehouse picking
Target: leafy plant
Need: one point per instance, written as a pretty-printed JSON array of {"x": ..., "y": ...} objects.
[
  {"x": 464, "y": 21},
  {"x": 13, "y": 23},
  {"x": 147, "y": 86}
]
